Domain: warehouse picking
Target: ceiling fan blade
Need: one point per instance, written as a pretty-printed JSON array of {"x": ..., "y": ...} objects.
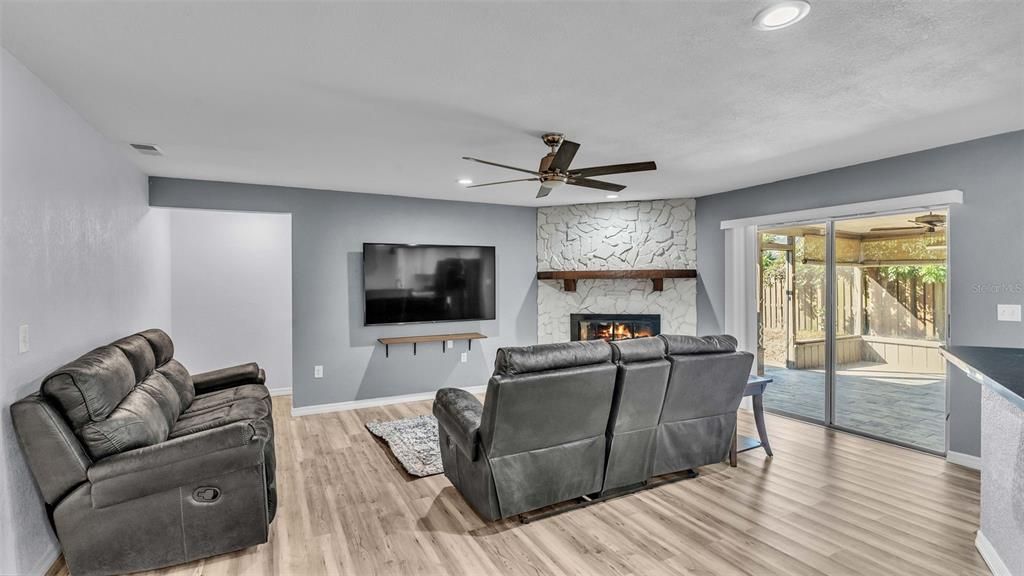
[
  {"x": 614, "y": 169},
  {"x": 563, "y": 157},
  {"x": 502, "y": 165},
  {"x": 504, "y": 182},
  {"x": 897, "y": 228},
  {"x": 600, "y": 185},
  {"x": 544, "y": 191}
]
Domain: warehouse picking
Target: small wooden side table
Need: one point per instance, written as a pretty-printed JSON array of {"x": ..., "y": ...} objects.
[{"x": 756, "y": 386}]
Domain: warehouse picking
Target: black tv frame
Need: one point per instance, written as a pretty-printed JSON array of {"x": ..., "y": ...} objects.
[{"x": 494, "y": 286}]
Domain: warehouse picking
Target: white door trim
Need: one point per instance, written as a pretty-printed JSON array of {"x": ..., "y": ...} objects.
[
  {"x": 925, "y": 201},
  {"x": 740, "y": 317}
]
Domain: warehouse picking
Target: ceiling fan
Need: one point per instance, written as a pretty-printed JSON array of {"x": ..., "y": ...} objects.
[
  {"x": 929, "y": 223},
  {"x": 554, "y": 169}
]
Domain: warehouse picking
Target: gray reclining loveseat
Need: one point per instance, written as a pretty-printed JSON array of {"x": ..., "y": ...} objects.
[
  {"x": 561, "y": 421},
  {"x": 143, "y": 465}
]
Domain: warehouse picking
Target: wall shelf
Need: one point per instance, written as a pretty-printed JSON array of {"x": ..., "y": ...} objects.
[
  {"x": 657, "y": 277},
  {"x": 442, "y": 338}
]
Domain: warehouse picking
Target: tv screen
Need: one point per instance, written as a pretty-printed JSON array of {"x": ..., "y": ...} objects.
[{"x": 405, "y": 283}]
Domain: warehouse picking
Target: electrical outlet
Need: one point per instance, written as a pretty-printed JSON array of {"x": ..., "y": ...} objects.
[
  {"x": 318, "y": 371},
  {"x": 1008, "y": 312},
  {"x": 23, "y": 345},
  {"x": 451, "y": 344},
  {"x": 464, "y": 357}
]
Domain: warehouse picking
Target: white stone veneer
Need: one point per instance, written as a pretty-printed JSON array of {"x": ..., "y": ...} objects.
[{"x": 616, "y": 236}]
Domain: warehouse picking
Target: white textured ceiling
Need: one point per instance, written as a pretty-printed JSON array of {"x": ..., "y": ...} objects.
[{"x": 386, "y": 97}]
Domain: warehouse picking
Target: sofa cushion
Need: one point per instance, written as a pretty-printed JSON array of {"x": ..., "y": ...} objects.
[
  {"x": 677, "y": 344},
  {"x": 163, "y": 347},
  {"x": 178, "y": 375},
  {"x": 139, "y": 353},
  {"x": 91, "y": 387},
  {"x": 143, "y": 418},
  {"x": 237, "y": 411},
  {"x": 526, "y": 359},
  {"x": 222, "y": 398},
  {"x": 638, "y": 349}
]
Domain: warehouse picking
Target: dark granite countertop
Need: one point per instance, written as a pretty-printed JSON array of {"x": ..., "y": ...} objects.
[{"x": 1001, "y": 368}]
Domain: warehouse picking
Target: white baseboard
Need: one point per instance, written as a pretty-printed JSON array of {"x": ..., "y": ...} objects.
[
  {"x": 991, "y": 557},
  {"x": 371, "y": 402},
  {"x": 965, "y": 460},
  {"x": 45, "y": 562},
  {"x": 281, "y": 391}
]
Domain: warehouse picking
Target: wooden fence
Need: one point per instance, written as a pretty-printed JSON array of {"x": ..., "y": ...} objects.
[{"x": 893, "y": 309}]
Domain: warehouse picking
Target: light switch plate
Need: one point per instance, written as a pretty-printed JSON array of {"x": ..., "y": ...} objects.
[
  {"x": 464, "y": 357},
  {"x": 23, "y": 344},
  {"x": 1008, "y": 312},
  {"x": 318, "y": 371}
]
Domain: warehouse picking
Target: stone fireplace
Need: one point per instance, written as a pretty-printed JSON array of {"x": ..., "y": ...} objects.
[
  {"x": 613, "y": 326},
  {"x": 650, "y": 234}
]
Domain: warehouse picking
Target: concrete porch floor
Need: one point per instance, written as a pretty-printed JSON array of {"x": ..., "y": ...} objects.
[{"x": 907, "y": 407}]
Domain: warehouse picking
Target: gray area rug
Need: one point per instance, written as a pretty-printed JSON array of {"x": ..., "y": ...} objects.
[{"x": 413, "y": 441}]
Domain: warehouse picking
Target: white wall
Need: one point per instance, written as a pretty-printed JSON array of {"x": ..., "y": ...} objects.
[
  {"x": 231, "y": 291},
  {"x": 84, "y": 261}
]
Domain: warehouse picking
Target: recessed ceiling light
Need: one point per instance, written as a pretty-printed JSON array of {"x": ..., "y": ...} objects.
[
  {"x": 782, "y": 14},
  {"x": 465, "y": 181},
  {"x": 612, "y": 196}
]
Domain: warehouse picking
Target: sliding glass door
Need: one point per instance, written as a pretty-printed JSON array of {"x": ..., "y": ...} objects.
[
  {"x": 851, "y": 314},
  {"x": 792, "y": 292},
  {"x": 890, "y": 317}
]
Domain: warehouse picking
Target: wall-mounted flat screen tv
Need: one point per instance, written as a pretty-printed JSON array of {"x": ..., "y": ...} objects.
[{"x": 404, "y": 283}]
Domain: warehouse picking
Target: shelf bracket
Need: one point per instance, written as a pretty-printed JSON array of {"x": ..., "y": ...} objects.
[
  {"x": 386, "y": 351},
  {"x": 413, "y": 348},
  {"x": 659, "y": 284},
  {"x": 569, "y": 284}
]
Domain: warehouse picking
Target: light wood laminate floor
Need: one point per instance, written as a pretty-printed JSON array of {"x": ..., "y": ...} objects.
[{"x": 828, "y": 503}]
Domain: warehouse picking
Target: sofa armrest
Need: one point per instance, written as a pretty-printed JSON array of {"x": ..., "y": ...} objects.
[
  {"x": 459, "y": 413},
  {"x": 154, "y": 469},
  {"x": 224, "y": 378}
]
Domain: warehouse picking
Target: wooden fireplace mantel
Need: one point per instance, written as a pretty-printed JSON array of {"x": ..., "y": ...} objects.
[{"x": 657, "y": 277}]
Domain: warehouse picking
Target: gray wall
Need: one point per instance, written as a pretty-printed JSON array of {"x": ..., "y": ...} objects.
[
  {"x": 985, "y": 246},
  {"x": 328, "y": 230},
  {"x": 85, "y": 261}
]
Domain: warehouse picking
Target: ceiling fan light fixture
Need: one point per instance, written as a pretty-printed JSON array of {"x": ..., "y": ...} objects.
[
  {"x": 553, "y": 181},
  {"x": 781, "y": 14},
  {"x": 465, "y": 181},
  {"x": 612, "y": 196}
]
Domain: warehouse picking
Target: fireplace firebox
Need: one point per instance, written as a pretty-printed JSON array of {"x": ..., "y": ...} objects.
[{"x": 613, "y": 326}]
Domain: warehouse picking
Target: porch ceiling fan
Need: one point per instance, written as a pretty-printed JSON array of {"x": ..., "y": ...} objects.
[
  {"x": 929, "y": 222},
  {"x": 555, "y": 170}
]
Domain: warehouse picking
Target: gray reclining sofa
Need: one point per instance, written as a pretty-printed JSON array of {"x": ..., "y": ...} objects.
[
  {"x": 561, "y": 421},
  {"x": 143, "y": 465}
]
